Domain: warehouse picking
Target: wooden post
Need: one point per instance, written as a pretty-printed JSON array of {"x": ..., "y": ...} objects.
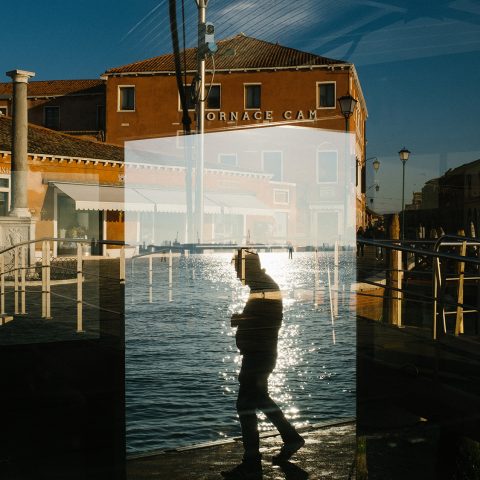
[
  {"x": 48, "y": 272},
  {"x": 15, "y": 279},
  {"x": 150, "y": 279},
  {"x": 395, "y": 264},
  {"x": 122, "y": 264},
  {"x": 79, "y": 289},
  {"x": 461, "y": 276},
  {"x": 2, "y": 284},
  {"x": 335, "y": 280},
  {"x": 332, "y": 315},
  {"x": 23, "y": 283},
  {"x": 170, "y": 276},
  {"x": 44, "y": 276},
  {"x": 242, "y": 276}
]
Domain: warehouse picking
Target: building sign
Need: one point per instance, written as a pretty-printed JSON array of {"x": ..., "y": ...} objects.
[{"x": 260, "y": 115}]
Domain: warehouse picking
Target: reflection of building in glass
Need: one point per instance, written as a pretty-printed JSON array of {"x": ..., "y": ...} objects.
[
  {"x": 287, "y": 184},
  {"x": 255, "y": 83},
  {"x": 450, "y": 202}
]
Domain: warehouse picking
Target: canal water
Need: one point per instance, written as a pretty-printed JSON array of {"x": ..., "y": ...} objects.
[{"x": 181, "y": 358}]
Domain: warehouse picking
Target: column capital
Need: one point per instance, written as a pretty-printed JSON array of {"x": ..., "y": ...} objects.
[{"x": 20, "y": 76}]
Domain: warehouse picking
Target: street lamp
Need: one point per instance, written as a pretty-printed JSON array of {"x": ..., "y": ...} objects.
[
  {"x": 376, "y": 166},
  {"x": 347, "y": 107},
  {"x": 404, "y": 154}
]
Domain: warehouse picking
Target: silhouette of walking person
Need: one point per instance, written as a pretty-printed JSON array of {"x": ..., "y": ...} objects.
[{"x": 256, "y": 338}]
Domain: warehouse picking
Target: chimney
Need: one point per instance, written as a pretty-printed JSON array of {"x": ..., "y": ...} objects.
[{"x": 19, "y": 204}]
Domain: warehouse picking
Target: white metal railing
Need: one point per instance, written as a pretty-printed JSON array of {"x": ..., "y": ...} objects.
[{"x": 16, "y": 267}]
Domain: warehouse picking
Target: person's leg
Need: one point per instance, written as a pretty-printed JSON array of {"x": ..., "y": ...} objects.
[
  {"x": 246, "y": 408},
  {"x": 273, "y": 412}
]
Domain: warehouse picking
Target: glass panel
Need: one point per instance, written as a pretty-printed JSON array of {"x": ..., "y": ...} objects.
[
  {"x": 213, "y": 99},
  {"x": 253, "y": 96},
  {"x": 327, "y": 95},
  {"x": 272, "y": 163},
  {"x": 127, "y": 98},
  {"x": 52, "y": 117},
  {"x": 3, "y": 204},
  {"x": 4, "y": 183},
  {"x": 327, "y": 166}
]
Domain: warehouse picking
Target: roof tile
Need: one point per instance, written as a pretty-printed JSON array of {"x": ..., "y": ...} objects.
[
  {"x": 43, "y": 141},
  {"x": 57, "y": 87},
  {"x": 236, "y": 53}
]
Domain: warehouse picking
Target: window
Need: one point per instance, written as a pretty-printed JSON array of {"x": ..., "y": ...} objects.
[
  {"x": 272, "y": 162},
  {"x": 228, "y": 159},
  {"x": 189, "y": 97},
  {"x": 327, "y": 166},
  {"x": 3, "y": 111},
  {"x": 253, "y": 94},
  {"x": 126, "y": 98},
  {"x": 281, "y": 197},
  {"x": 4, "y": 196},
  {"x": 100, "y": 117},
  {"x": 213, "y": 99},
  {"x": 52, "y": 117},
  {"x": 281, "y": 224},
  {"x": 326, "y": 95}
]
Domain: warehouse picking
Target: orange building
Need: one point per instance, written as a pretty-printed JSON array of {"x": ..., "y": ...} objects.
[
  {"x": 76, "y": 107},
  {"x": 249, "y": 83},
  {"x": 75, "y": 186}
]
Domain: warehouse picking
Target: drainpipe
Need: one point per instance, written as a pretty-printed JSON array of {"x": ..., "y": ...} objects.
[{"x": 19, "y": 169}]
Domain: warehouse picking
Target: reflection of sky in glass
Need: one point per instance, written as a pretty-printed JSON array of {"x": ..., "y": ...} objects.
[{"x": 182, "y": 362}]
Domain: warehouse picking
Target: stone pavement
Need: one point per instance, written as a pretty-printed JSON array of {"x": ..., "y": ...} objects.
[{"x": 328, "y": 453}]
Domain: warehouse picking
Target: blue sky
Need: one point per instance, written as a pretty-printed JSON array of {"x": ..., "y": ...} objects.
[{"x": 418, "y": 61}]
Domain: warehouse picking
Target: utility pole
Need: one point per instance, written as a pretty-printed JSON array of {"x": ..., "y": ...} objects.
[{"x": 200, "y": 112}]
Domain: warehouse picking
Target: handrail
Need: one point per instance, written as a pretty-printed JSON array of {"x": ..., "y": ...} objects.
[
  {"x": 393, "y": 245},
  {"x": 73, "y": 240},
  {"x": 19, "y": 254}
]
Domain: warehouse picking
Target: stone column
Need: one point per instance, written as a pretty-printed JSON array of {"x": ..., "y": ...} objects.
[{"x": 19, "y": 169}]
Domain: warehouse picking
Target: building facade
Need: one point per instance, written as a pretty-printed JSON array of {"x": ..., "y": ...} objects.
[{"x": 76, "y": 107}]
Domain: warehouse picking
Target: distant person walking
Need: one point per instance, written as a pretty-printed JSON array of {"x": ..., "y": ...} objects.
[
  {"x": 256, "y": 338},
  {"x": 290, "y": 251}
]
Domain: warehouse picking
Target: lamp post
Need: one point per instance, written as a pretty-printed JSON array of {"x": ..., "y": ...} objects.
[
  {"x": 404, "y": 154},
  {"x": 347, "y": 107},
  {"x": 376, "y": 166}
]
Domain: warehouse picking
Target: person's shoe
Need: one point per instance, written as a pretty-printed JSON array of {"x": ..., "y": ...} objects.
[
  {"x": 244, "y": 471},
  {"x": 288, "y": 449}
]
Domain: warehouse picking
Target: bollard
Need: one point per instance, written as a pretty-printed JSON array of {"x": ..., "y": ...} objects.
[{"x": 79, "y": 289}]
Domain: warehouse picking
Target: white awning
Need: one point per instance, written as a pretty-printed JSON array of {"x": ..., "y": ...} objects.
[
  {"x": 174, "y": 201},
  {"x": 239, "y": 204},
  {"x": 103, "y": 197}
]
